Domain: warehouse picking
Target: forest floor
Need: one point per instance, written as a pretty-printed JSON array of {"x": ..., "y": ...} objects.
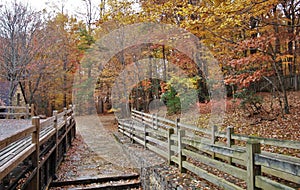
[{"x": 269, "y": 123}]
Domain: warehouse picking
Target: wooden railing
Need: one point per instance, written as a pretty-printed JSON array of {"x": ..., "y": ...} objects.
[
  {"x": 188, "y": 146},
  {"x": 30, "y": 158},
  {"x": 16, "y": 112}
]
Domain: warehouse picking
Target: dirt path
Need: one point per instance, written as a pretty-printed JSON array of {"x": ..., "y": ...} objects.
[{"x": 97, "y": 134}]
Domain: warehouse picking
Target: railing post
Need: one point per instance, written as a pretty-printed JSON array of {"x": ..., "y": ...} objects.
[
  {"x": 32, "y": 110},
  {"x": 213, "y": 138},
  {"x": 230, "y": 141},
  {"x": 27, "y": 111},
  {"x": 66, "y": 127},
  {"x": 253, "y": 170},
  {"x": 65, "y": 115},
  {"x": 56, "y": 138},
  {"x": 181, "y": 157},
  {"x": 36, "y": 154},
  {"x": 170, "y": 143},
  {"x": 8, "y": 112},
  {"x": 70, "y": 113},
  {"x": 73, "y": 120}
]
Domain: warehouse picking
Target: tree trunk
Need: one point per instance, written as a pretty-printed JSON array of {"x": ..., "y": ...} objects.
[{"x": 278, "y": 67}]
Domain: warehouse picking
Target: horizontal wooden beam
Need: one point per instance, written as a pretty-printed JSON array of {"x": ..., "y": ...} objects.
[
  {"x": 266, "y": 183},
  {"x": 222, "y": 166},
  {"x": 226, "y": 151},
  {"x": 210, "y": 177},
  {"x": 278, "y": 164}
]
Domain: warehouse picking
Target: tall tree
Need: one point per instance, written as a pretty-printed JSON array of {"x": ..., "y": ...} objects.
[{"x": 18, "y": 28}]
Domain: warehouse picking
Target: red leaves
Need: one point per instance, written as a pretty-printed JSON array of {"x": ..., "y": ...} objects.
[
  {"x": 245, "y": 79},
  {"x": 261, "y": 43}
]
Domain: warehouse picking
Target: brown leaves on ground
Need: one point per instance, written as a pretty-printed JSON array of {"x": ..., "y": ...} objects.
[{"x": 271, "y": 126}]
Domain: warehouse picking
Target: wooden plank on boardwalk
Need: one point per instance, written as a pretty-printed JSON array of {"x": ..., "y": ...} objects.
[
  {"x": 6, "y": 141},
  {"x": 12, "y": 146},
  {"x": 10, "y": 165},
  {"x": 8, "y": 155},
  {"x": 47, "y": 134}
]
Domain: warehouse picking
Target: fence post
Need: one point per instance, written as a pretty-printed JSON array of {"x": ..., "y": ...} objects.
[
  {"x": 213, "y": 138},
  {"x": 73, "y": 119},
  {"x": 156, "y": 120},
  {"x": 36, "y": 154},
  {"x": 66, "y": 128},
  {"x": 181, "y": 157},
  {"x": 230, "y": 141},
  {"x": 176, "y": 124},
  {"x": 65, "y": 115},
  {"x": 253, "y": 170},
  {"x": 152, "y": 122},
  {"x": 32, "y": 110},
  {"x": 27, "y": 111},
  {"x": 145, "y": 136},
  {"x": 8, "y": 112},
  {"x": 56, "y": 139},
  {"x": 170, "y": 143},
  {"x": 131, "y": 133},
  {"x": 70, "y": 113}
]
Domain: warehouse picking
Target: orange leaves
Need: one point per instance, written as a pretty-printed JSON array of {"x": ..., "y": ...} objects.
[
  {"x": 163, "y": 86},
  {"x": 260, "y": 43},
  {"x": 147, "y": 84},
  {"x": 246, "y": 78},
  {"x": 257, "y": 60}
]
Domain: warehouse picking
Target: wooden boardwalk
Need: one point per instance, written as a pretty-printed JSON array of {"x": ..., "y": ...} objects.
[{"x": 31, "y": 150}]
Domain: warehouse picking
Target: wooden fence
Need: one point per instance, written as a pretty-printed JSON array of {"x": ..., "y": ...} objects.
[
  {"x": 237, "y": 166},
  {"x": 30, "y": 158},
  {"x": 16, "y": 112}
]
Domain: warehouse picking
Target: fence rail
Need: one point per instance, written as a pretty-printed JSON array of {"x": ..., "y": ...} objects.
[
  {"x": 30, "y": 158},
  {"x": 182, "y": 145},
  {"x": 17, "y": 112}
]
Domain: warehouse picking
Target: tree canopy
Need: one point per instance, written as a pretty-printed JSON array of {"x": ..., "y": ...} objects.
[{"x": 256, "y": 44}]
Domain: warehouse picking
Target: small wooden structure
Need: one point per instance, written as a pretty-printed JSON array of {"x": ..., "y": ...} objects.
[{"x": 29, "y": 158}]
